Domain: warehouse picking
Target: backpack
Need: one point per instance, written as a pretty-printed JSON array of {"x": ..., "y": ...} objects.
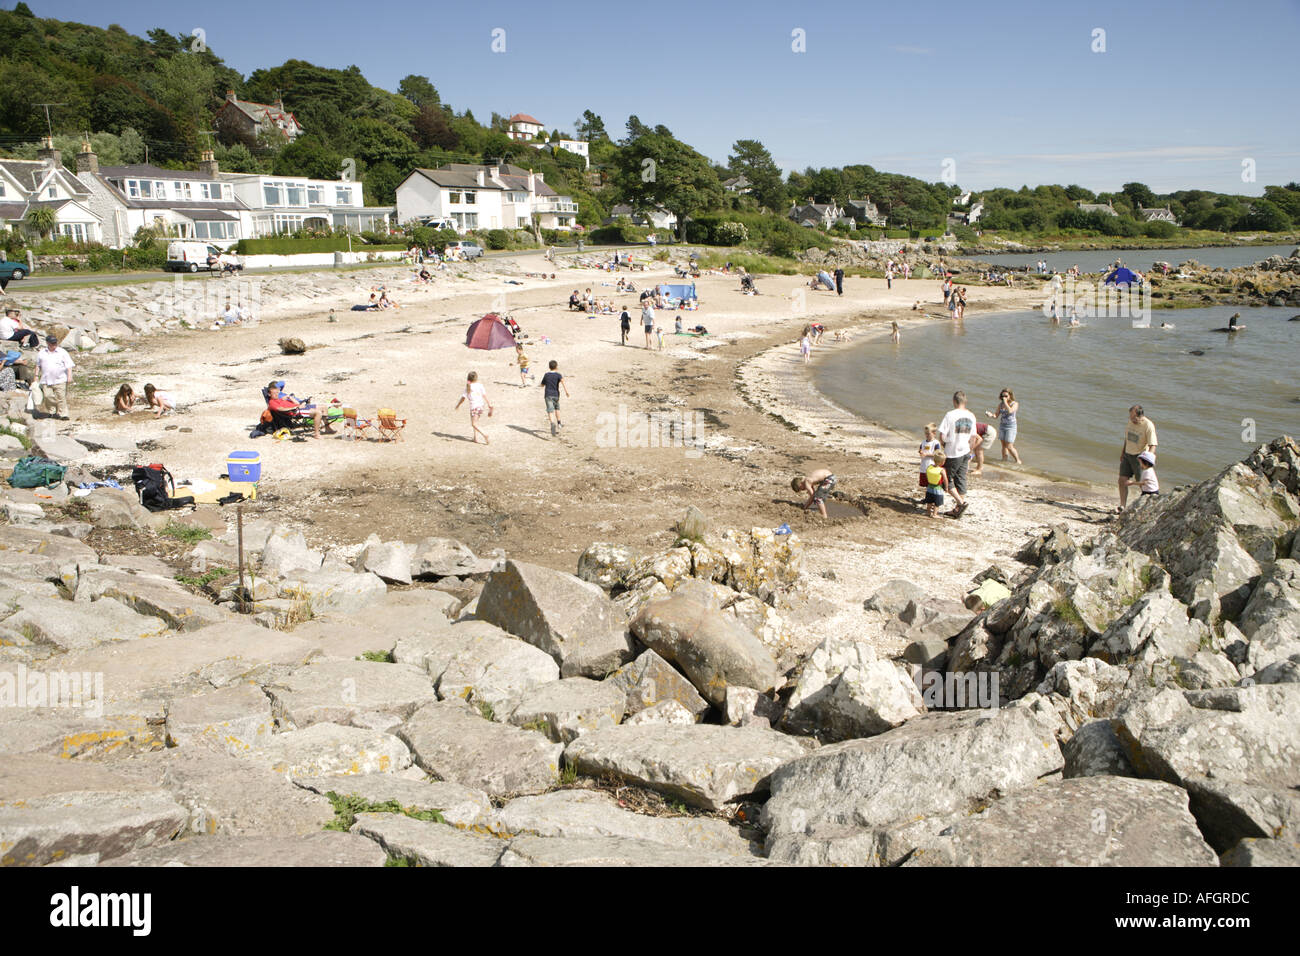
[
  {"x": 36, "y": 472},
  {"x": 151, "y": 482}
]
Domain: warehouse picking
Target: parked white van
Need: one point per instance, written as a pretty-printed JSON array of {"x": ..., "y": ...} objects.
[{"x": 192, "y": 256}]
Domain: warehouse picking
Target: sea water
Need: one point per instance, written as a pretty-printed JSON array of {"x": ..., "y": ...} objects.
[
  {"x": 1075, "y": 385},
  {"x": 1215, "y": 257}
]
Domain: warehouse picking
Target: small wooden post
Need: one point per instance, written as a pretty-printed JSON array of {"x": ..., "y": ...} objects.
[{"x": 239, "y": 526}]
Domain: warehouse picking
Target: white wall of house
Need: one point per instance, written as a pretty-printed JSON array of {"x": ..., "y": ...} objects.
[{"x": 281, "y": 204}]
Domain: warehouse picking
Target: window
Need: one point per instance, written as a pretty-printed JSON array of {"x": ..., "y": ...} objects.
[
  {"x": 159, "y": 189},
  {"x": 214, "y": 230},
  {"x": 343, "y": 195},
  {"x": 78, "y": 231},
  {"x": 297, "y": 194},
  {"x": 211, "y": 190},
  {"x": 453, "y": 197},
  {"x": 271, "y": 194},
  {"x": 471, "y": 197},
  {"x": 522, "y": 222},
  {"x": 471, "y": 220},
  {"x": 315, "y": 195},
  {"x": 53, "y": 192},
  {"x": 146, "y": 189},
  {"x": 183, "y": 189},
  {"x": 2, "y": 189}
]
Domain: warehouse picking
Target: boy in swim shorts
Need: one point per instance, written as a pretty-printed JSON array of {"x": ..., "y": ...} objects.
[{"x": 817, "y": 486}]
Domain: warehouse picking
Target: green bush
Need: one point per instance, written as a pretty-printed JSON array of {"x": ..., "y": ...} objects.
[
  {"x": 497, "y": 239},
  {"x": 285, "y": 246},
  {"x": 1160, "y": 230},
  {"x": 730, "y": 234},
  {"x": 148, "y": 258},
  {"x": 71, "y": 265},
  {"x": 697, "y": 231}
]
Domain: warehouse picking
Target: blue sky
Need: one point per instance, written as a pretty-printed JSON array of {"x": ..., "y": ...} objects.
[{"x": 1011, "y": 92}]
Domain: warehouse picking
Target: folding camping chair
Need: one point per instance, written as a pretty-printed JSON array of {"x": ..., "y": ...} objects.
[
  {"x": 390, "y": 426},
  {"x": 273, "y": 421},
  {"x": 354, "y": 427}
]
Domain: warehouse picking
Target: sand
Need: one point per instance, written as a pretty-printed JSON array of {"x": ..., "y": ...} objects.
[{"x": 544, "y": 498}]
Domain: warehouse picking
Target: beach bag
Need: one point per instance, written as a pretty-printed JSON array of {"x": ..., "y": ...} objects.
[
  {"x": 34, "y": 471},
  {"x": 151, "y": 484}
]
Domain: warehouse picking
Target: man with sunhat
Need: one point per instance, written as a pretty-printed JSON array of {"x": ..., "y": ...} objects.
[{"x": 54, "y": 371}]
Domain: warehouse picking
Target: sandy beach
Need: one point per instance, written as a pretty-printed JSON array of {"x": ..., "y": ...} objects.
[{"x": 546, "y": 499}]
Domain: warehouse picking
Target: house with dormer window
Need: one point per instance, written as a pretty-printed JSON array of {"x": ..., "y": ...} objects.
[
  {"x": 27, "y": 184},
  {"x": 489, "y": 196},
  {"x": 180, "y": 203}
]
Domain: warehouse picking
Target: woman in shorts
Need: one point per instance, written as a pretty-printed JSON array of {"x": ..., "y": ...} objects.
[{"x": 1008, "y": 408}]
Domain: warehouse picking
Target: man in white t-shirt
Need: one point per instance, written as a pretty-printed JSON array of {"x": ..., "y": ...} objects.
[
  {"x": 54, "y": 368},
  {"x": 957, "y": 431}
]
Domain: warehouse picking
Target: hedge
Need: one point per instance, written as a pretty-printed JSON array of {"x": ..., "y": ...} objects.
[{"x": 281, "y": 246}]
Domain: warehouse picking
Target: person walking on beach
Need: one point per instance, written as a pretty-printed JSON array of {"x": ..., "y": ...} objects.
[
  {"x": 1139, "y": 438},
  {"x": 54, "y": 366},
  {"x": 929, "y": 445},
  {"x": 839, "y": 281},
  {"x": 552, "y": 382},
  {"x": 522, "y": 361},
  {"x": 817, "y": 486},
  {"x": 478, "y": 400},
  {"x": 805, "y": 344},
  {"x": 934, "y": 479},
  {"x": 961, "y": 303},
  {"x": 1008, "y": 408},
  {"x": 625, "y": 324},
  {"x": 648, "y": 319},
  {"x": 957, "y": 431}
]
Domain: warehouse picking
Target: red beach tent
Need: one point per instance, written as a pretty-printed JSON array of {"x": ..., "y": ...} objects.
[{"x": 489, "y": 332}]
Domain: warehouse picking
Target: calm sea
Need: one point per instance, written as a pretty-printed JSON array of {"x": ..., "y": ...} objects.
[
  {"x": 1075, "y": 385},
  {"x": 1229, "y": 257}
]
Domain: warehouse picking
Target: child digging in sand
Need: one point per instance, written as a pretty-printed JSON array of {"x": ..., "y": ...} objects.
[
  {"x": 817, "y": 486},
  {"x": 936, "y": 479}
]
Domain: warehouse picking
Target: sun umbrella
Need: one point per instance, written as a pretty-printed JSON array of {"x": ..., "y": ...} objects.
[{"x": 489, "y": 332}]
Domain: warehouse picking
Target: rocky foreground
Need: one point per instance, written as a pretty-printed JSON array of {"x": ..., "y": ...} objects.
[{"x": 1130, "y": 699}]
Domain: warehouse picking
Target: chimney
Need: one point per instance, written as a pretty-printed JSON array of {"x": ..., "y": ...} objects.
[
  {"x": 532, "y": 183},
  {"x": 48, "y": 154},
  {"x": 478, "y": 175},
  {"x": 87, "y": 161},
  {"x": 208, "y": 164},
  {"x": 493, "y": 171},
  {"x": 230, "y": 97}
]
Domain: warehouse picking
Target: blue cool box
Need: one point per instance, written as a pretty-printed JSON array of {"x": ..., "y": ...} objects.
[{"x": 244, "y": 466}]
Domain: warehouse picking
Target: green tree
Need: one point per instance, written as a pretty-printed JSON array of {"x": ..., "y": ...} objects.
[
  {"x": 41, "y": 221},
  {"x": 418, "y": 90},
  {"x": 377, "y": 142},
  {"x": 635, "y": 130},
  {"x": 591, "y": 128},
  {"x": 750, "y": 158},
  {"x": 1139, "y": 195},
  {"x": 432, "y": 128},
  {"x": 309, "y": 157},
  {"x": 1265, "y": 215},
  {"x": 660, "y": 171}
]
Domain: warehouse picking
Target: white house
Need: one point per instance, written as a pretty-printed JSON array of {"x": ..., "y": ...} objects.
[
  {"x": 660, "y": 218},
  {"x": 1149, "y": 214},
  {"x": 488, "y": 196},
  {"x": 523, "y": 126},
  {"x": 976, "y": 211},
  {"x": 961, "y": 200},
  {"x": 280, "y": 204},
  {"x": 187, "y": 204},
  {"x": 45, "y": 184}
]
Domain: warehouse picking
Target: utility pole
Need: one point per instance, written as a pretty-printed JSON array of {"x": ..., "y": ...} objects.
[{"x": 48, "y": 125}]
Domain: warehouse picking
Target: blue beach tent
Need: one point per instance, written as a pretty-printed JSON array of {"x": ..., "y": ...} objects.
[{"x": 1121, "y": 276}]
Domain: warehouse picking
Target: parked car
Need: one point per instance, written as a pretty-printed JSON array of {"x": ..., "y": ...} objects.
[
  {"x": 433, "y": 222},
  {"x": 464, "y": 249},
  {"x": 13, "y": 270},
  {"x": 189, "y": 256}
]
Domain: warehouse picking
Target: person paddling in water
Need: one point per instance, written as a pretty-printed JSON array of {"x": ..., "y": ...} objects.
[{"x": 1008, "y": 407}]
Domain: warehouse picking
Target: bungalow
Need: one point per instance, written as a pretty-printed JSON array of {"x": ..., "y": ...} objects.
[
  {"x": 44, "y": 183},
  {"x": 659, "y": 218},
  {"x": 524, "y": 127},
  {"x": 864, "y": 211},
  {"x": 816, "y": 215},
  {"x": 182, "y": 203},
  {"x": 1146, "y": 214},
  {"x": 577, "y": 146},
  {"x": 489, "y": 196},
  {"x": 280, "y": 204},
  {"x": 244, "y": 120},
  {"x": 1105, "y": 209}
]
